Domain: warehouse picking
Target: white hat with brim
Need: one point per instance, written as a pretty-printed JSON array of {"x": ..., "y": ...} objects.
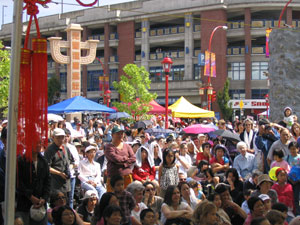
[
  {"x": 89, "y": 148},
  {"x": 59, "y": 132}
]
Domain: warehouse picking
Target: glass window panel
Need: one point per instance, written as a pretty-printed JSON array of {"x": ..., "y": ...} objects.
[{"x": 242, "y": 75}]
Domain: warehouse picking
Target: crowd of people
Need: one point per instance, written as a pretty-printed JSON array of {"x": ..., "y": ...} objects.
[{"x": 114, "y": 172}]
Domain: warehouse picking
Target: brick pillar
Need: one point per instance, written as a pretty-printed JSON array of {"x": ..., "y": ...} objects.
[
  {"x": 85, "y": 34},
  {"x": 73, "y": 79},
  {"x": 107, "y": 50},
  {"x": 289, "y": 16},
  {"x": 248, "y": 63},
  {"x": 126, "y": 49},
  {"x": 57, "y": 68},
  {"x": 212, "y": 19}
]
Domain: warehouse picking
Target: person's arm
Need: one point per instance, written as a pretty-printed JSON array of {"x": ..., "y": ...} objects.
[
  {"x": 134, "y": 221},
  {"x": 236, "y": 166},
  {"x": 131, "y": 156},
  {"x": 152, "y": 173},
  {"x": 135, "y": 175},
  {"x": 112, "y": 156},
  {"x": 171, "y": 214},
  {"x": 236, "y": 208},
  {"x": 185, "y": 165}
]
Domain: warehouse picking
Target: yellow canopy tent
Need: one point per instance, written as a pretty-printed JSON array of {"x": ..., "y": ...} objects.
[{"x": 182, "y": 108}]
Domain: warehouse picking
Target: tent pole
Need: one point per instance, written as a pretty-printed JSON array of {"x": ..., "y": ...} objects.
[{"x": 10, "y": 176}]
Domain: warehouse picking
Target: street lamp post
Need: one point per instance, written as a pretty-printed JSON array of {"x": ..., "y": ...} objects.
[
  {"x": 209, "y": 87},
  {"x": 107, "y": 96},
  {"x": 267, "y": 104},
  {"x": 167, "y": 64}
]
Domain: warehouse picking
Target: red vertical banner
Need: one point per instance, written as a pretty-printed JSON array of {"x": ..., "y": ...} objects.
[
  {"x": 213, "y": 69},
  {"x": 268, "y": 31},
  {"x": 207, "y": 64}
]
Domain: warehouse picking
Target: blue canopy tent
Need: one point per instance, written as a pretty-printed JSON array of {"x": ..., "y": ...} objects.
[{"x": 78, "y": 104}]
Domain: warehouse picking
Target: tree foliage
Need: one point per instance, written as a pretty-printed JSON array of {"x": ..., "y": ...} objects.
[
  {"x": 4, "y": 77},
  {"x": 133, "y": 89},
  {"x": 223, "y": 99},
  {"x": 53, "y": 89}
]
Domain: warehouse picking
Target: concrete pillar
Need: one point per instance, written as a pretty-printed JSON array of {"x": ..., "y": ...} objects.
[
  {"x": 145, "y": 47},
  {"x": 126, "y": 48},
  {"x": 85, "y": 34},
  {"x": 248, "y": 47},
  {"x": 107, "y": 50},
  {"x": 188, "y": 46},
  {"x": 73, "y": 79},
  {"x": 289, "y": 16}
]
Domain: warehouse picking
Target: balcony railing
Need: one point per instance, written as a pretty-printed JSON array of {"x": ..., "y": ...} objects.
[
  {"x": 260, "y": 24},
  {"x": 236, "y": 50}
]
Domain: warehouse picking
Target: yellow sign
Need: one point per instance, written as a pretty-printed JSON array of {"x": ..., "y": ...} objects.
[{"x": 241, "y": 104}]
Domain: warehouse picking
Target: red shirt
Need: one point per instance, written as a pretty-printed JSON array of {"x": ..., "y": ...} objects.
[
  {"x": 141, "y": 173},
  {"x": 285, "y": 194},
  {"x": 200, "y": 156}
]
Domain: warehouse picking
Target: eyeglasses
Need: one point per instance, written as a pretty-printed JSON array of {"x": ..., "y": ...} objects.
[
  {"x": 68, "y": 214},
  {"x": 182, "y": 179},
  {"x": 60, "y": 198}
]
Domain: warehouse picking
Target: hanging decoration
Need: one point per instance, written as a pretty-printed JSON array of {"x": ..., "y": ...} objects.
[{"x": 268, "y": 31}]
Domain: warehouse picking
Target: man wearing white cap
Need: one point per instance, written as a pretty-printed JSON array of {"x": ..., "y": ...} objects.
[
  {"x": 59, "y": 157},
  {"x": 90, "y": 172}
]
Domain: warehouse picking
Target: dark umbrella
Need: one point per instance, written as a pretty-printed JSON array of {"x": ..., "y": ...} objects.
[
  {"x": 142, "y": 124},
  {"x": 227, "y": 135},
  {"x": 118, "y": 115},
  {"x": 159, "y": 131}
]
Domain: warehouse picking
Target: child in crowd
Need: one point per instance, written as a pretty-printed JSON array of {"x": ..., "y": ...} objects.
[
  {"x": 247, "y": 195},
  {"x": 293, "y": 159},
  {"x": 279, "y": 161},
  {"x": 222, "y": 216},
  {"x": 199, "y": 172},
  {"x": 288, "y": 117},
  {"x": 267, "y": 202},
  {"x": 147, "y": 217},
  {"x": 126, "y": 201},
  {"x": 168, "y": 171}
]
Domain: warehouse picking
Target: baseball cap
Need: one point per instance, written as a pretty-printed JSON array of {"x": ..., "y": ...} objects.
[
  {"x": 4, "y": 122},
  {"x": 264, "y": 197},
  {"x": 89, "y": 148},
  {"x": 116, "y": 129},
  {"x": 77, "y": 143},
  {"x": 59, "y": 132},
  {"x": 90, "y": 194}
]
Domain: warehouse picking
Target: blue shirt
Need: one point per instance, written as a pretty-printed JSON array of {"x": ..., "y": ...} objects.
[
  {"x": 244, "y": 164},
  {"x": 293, "y": 160}
]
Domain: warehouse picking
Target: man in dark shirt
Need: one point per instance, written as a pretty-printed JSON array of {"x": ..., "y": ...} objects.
[{"x": 59, "y": 159}]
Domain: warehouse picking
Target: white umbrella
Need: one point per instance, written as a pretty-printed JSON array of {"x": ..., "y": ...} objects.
[{"x": 54, "y": 117}]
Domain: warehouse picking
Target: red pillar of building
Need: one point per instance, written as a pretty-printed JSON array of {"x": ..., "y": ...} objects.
[
  {"x": 248, "y": 48},
  {"x": 126, "y": 48},
  {"x": 210, "y": 20}
]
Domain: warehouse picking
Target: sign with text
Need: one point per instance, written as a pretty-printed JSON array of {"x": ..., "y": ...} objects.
[
  {"x": 201, "y": 59},
  {"x": 248, "y": 104}
]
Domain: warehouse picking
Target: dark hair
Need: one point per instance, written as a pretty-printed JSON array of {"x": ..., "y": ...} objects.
[
  {"x": 258, "y": 220},
  {"x": 165, "y": 153},
  {"x": 53, "y": 197},
  {"x": 205, "y": 144},
  {"x": 57, "y": 214},
  {"x": 210, "y": 171},
  {"x": 181, "y": 184},
  {"x": 247, "y": 192},
  {"x": 168, "y": 194},
  {"x": 109, "y": 210},
  {"x": 144, "y": 212},
  {"x": 4, "y": 133},
  {"x": 100, "y": 207},
  {"x": 278, "y": 152},
  {"x": 275, "y": 216},
  {"x": 170, "y": 139},
  {"x": 202, "y": 163},
  {"x": 212, "y": 196},
  {"x": 251, "y": 202},
  {"x": 234, "y": 173},
  {"x": 280, "y": 207},
  {"x": 293, "y": 144},
  {"x": 67, "y": 131},
  {"x": 115, "y": 179},
  {"x": 149, "y": 182}
]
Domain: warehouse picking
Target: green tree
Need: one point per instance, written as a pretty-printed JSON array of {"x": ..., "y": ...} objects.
[
  {"x": 4, "y": 77},
  {"x": 223, "y": 99},
  {"x": 53, "y": 89},
  {"x": 133, "y": 89}
]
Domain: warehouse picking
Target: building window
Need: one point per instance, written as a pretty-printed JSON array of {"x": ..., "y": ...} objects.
[
  {"x": 237, "y": 94},
  {"x": 113, "y": 76},
  {"x": 157, "y": 74},
  {"x": 177, "y": 72},
  {"x": 259, "y": 93},
  {"x": 236, "y": 70},
  {"x": 63, "y": 82},
  {"x": 93, "y": 80},
  {"x": 258, "y": 69},
  {"x": 197, "y": 72}
]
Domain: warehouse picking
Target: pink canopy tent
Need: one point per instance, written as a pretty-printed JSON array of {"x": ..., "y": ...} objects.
[{"x": 157, "y": 108}]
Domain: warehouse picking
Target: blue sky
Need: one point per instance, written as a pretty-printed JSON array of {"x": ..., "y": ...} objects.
[{"x": 68, "y": 5}]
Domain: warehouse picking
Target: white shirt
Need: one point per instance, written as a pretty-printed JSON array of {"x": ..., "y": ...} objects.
[
  {"x": 187, "y": 160},
  {"x": 89, "y": 171},
  {"x": 75, "y": 155}
]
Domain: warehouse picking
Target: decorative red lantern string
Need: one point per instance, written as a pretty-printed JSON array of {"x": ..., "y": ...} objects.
[{"x": 87, "y": 5}]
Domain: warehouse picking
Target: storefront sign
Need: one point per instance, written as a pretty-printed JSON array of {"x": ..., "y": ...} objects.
[{"x": 248, "y": 104}]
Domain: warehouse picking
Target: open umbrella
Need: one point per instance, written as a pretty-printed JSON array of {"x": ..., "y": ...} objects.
[
  {"x": 227, "y": 135},
  {"x": 159, "y": 131},
  {"x": 54, "y": 117},
  {"x": 142, "y": 124},
  {"x": 198, "y": 129},
  {"x": 118, "y": 115}
]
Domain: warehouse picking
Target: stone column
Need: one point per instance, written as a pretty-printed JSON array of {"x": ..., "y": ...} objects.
[
  {"x": 145, "y": 47},
  {"x": 57, "y": 66},
  {"x": 85, "y": 34},
  {"x": 188, "y": 46},
  {"x": 73, "y": 78},
  {"x": 248, "y": 47},
  {"x": 107, "y": 50}
]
